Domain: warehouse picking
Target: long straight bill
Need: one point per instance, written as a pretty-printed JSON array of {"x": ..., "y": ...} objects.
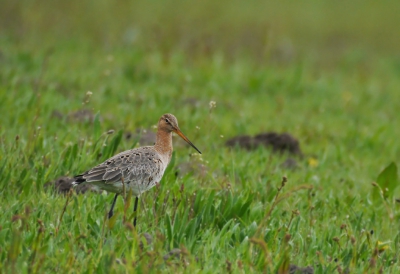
[{"x": 179, "y": 132}]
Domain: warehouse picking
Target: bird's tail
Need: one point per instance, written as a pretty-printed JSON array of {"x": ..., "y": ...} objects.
[{"x": 78, "y": 180}]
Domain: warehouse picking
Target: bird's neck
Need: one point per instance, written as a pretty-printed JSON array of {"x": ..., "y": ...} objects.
[{"x": 163, "y": 143}]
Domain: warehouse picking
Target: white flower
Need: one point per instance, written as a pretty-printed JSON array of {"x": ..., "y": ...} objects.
[{"x": 212, "y": 104}]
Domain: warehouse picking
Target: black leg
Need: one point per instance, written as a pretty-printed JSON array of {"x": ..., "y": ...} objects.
[
  {"x": 111, "y": 213},
  {"x": 134, "y": 210}
]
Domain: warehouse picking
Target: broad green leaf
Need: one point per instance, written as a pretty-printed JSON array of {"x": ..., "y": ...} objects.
[{"x": 387, "y": 180}]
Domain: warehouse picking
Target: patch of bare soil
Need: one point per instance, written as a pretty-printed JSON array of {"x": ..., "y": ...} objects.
[
  {"x": 289, "y": 163},
  {"x": 81, "y": 115},
  {"x": 294, "y": 269},
  {"x": 279, "y": 143},
  {"x": 191, "y": 101}
]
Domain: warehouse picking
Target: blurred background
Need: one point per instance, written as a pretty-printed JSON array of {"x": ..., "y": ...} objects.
[
  {"x": 277, "y": 32},
  {"x": 327, "y": 72},
  {"x": 311, "y": 67}
]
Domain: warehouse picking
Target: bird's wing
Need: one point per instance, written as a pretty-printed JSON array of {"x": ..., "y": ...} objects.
[{"x": 136, "y": 165}]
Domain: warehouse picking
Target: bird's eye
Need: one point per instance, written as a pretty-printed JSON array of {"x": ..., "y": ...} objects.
[{"x": 166, "y": 120}]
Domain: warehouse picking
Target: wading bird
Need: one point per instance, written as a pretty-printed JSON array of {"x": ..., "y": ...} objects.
[{"x": 138, "y": 169}]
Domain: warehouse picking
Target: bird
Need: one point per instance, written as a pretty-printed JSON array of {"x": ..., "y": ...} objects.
[{"x": 136, "y": 170}]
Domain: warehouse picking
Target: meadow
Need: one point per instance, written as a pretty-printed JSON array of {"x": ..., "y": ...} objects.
[{"x": 76, "y": 77}]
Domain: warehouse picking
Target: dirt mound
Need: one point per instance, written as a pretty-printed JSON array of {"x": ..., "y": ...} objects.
[
  {"x": 63, "y": 184},
  {"x": 280, "y": 143}
]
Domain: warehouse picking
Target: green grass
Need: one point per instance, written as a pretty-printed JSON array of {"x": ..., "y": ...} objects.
[{"x": 341, "y": 102}]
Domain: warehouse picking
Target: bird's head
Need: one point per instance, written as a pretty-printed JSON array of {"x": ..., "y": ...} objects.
[{"x": 169, "y": 123}]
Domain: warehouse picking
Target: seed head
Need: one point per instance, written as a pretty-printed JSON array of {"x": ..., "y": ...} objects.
[{"x": 212, "y": 104}]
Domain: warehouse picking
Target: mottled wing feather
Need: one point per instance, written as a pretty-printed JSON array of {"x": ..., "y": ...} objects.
[
  {"x": 136, "y": 165},
  {"x": 112, "y": 175}
]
